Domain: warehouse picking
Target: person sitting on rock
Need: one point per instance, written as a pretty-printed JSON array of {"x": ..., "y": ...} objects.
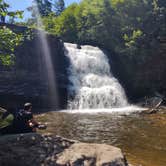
[{"x": 25, "y": 122}]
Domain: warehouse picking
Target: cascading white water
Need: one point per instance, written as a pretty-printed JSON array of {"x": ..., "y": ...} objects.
[{"x": 93, "y": 85}]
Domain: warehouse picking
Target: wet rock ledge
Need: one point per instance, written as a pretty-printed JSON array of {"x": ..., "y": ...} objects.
[{"x": 34, "y": 150}]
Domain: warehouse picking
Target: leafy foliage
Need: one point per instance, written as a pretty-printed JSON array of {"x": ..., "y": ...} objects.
[
  {"x": 42, "y": 7},
  {"x": 66, "y": 24},
  {"x": 5, "y": 12},
  {"x": 46, "y": 7},
  {"x": 8, "y": 41},
  {"x": 59, "y": 6},
  {"x": 127, "y": 27}
]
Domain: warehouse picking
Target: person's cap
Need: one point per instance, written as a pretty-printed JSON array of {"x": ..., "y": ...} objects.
[{"x": 27, "y": 104}]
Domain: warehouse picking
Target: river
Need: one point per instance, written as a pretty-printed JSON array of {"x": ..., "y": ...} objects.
[{"x": 142, "y": 138}]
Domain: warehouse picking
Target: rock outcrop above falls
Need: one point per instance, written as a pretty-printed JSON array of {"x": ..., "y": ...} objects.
[{"x": 34, "y": 149}]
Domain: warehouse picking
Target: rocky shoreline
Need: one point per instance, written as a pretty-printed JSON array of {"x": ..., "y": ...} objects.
[{"x": 34, "y": 149}]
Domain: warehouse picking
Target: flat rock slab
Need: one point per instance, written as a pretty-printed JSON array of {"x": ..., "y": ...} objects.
[{"x": 84, "y": 154}]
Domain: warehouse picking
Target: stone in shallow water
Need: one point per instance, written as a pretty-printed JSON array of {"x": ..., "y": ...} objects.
[{"x": 83, "y": 154}]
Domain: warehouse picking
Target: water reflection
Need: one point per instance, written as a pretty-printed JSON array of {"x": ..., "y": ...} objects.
[{"x": 142, "y": 138}]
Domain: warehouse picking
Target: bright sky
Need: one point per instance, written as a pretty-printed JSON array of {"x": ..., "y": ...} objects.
[{"x": 23, "y": 4}]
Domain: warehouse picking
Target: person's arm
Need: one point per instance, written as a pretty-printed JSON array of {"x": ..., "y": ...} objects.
[{"x": 33, "y": 123}]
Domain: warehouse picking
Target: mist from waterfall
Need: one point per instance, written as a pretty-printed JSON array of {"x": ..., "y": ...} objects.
[
  {"x": 92, "y": 84},
  {"x": 47, "y": 60}
]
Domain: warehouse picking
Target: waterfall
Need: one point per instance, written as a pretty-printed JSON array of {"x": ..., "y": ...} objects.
[
  {"x": 43, "y": 46},
  {"x": 92, "y": 83}
]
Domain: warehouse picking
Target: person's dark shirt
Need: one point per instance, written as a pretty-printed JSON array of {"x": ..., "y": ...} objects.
[{"x": 21, "y": 121}]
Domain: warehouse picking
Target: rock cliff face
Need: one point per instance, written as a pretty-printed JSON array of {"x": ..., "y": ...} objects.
[
  {"x": 26, "y": 81},
  {"x": 142, "y": 78}
]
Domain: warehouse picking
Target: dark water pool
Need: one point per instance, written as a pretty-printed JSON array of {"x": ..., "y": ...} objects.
[{"x": 141, "y": 137}]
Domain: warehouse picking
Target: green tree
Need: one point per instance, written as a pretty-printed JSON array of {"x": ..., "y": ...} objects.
[
  {"x": 48, "y": 7},
  {"x": 66, "y": 26},
  {"x": 127, "y": 27},
  {"x": 4, "y": 11},
  {"x": 59, "y": 7},
  {"x": 8, "y": 41},
  {"x": 50, "y": 23},
  {"x": 40, "y": 7}
]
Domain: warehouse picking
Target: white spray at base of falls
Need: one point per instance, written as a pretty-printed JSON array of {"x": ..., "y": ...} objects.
[{"x": 93, "y": 85}]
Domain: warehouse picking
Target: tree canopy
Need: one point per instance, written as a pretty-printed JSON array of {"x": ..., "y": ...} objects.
[
  {"x": 127, "y": 27},
  {"x": 42, "y": 7},
  {"x": 4, "y": 11},
  {"x": 59, "y": 6},
  {"x": 46, "y": 7},
  {"x": 8, "y": 39}
]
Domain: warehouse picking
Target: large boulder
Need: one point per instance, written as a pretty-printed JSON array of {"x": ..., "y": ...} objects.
[{"x": 84, "y": 154}]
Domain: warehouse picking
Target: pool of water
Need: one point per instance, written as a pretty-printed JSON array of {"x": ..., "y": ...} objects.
[{"x": 142, "y": 138}]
